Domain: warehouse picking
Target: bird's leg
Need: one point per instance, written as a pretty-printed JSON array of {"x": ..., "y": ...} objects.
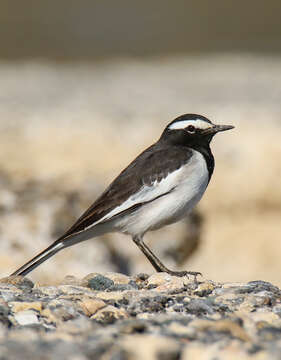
[{"x": 156, "y": 263}]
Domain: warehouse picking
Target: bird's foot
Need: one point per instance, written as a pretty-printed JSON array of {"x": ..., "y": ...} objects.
[{"x": 185, "y": 273}]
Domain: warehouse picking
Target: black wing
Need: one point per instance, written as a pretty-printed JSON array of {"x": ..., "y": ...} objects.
[{"x": 154, "y": 164}]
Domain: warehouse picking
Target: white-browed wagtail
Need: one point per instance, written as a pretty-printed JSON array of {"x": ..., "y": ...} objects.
[{"x": 160, "y": 187}]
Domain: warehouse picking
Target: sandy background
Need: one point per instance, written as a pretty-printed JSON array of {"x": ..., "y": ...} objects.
[{"x": 67, "y": 129}]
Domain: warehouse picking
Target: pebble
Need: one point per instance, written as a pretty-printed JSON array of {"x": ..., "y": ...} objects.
[
  {"x": 51, "y": 291},
  {"x": 18, "y": 281},
  {"x": 91, "y": 306},
  {"x": 72, "y": 290},
  {"x": 159, "y": 279},
  {"x": 204, "y": 289},
  {"x": 26, "y": 317},
  {"x": 118, "y": 279},
  {"x": 110, "y": 314},
  {"x": 163, "y": 282},
  {"x": 199, "y": 307},
  {"x": 114, "y": 316},
  {"x": 100, "y": 283},
  {"x": 17, "y": 306}
]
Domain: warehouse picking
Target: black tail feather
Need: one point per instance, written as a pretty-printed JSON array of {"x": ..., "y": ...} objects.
[{"x": 39, "y": 259}]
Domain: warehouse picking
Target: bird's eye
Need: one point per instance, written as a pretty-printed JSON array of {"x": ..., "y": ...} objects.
[{"x": 191, "y": 129}]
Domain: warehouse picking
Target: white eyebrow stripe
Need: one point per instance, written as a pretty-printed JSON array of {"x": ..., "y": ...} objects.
[{"x": 198, "y": 124}]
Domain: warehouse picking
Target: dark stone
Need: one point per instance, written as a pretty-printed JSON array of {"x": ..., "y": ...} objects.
[
  {"x": 256, "y": 287},
  {"x": 142, "y": 276},
  {"x": 24, "y": 284},
  {"x": 100, "y": 283},
  {"x": 203, "y": 293},
  {"x": 156, "y": 304},
  {"x": 199, "y": 307}
]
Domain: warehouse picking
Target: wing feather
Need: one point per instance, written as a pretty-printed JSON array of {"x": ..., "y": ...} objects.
[{"x": 144, "y": 180}]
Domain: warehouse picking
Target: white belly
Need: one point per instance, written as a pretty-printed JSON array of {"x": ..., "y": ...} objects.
[{"x": 189, "y": 185}]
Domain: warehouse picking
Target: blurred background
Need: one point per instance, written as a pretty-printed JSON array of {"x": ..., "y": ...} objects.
[{"x": 86, "y": 85}]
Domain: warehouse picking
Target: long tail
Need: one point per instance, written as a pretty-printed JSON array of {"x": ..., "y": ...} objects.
[
  {"x": 61, "y": 243},
  {"x": 38, "y": 259}
]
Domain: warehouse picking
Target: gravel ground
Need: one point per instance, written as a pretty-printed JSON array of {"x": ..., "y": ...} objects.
[{"x": 113, "y": 316}]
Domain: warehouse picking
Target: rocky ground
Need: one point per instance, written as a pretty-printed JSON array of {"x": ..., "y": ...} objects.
[{"x": 115, "y": 317}]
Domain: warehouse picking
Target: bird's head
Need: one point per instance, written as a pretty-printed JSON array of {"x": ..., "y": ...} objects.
[{"x": 192, "y": 129}]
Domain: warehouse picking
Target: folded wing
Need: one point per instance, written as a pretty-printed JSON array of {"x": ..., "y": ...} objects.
[{"x": 135, "y": 185}]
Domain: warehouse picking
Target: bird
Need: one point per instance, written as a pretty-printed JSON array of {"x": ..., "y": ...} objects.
[{"x": 160, "y": 187}]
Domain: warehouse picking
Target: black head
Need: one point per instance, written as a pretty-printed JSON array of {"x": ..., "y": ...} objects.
[{"x": 192, "y": 130}]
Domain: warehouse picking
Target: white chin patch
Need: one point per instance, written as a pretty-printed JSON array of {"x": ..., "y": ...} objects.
[{"x": 198, "y": 124}]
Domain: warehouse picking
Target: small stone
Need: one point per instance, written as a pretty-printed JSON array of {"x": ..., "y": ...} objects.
[
  {"x": 175, "y": 284},
  {"x": 20, "y": 282},
  {"x": 91, "y": 306},
  {"x": 88, "y": 277},
  {"x": 27, "y": 317},
  {"x": 17, "y": 306},
  {"x": 159, "y": 279},
  {"x": 118, "y": 278},
  {"x": 50, "y": 291},
  {"x": 199, "y": 307},
  {"x": 259, "y": 285},
  {"x": 72, "y": 290},
  {"x": 100, "y": 283},
  {"x": 204, "y": 289},
  {"x": 109, "y": 315}
]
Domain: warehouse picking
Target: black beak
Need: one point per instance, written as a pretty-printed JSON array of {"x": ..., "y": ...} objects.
[{"x": 217, "y": 128}]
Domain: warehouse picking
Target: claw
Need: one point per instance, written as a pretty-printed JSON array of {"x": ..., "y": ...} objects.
[{"x": 185, "y": 273}]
